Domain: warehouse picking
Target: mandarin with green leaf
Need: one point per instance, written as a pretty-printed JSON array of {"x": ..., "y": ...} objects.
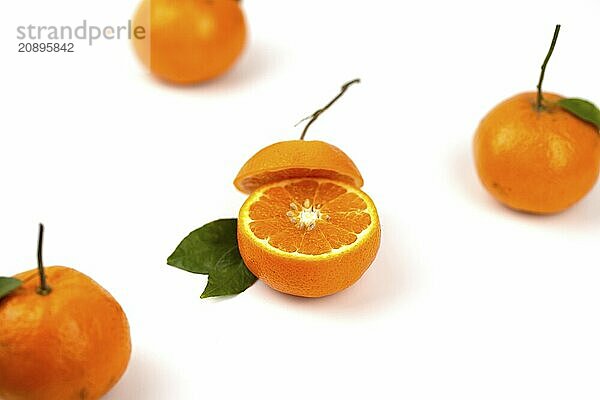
[
  {"x": 64, "y": 338},
  {"x": 539, "y": 152}
]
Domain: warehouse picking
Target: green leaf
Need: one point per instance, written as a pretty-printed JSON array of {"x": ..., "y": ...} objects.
[
  {"x": 8, "y": 285},
  {"x": 230, "y": 276},
  {"x": 213, "y": 250},
  {"x": 583, "y": 109},
  {"x": 200, "y": 251}
]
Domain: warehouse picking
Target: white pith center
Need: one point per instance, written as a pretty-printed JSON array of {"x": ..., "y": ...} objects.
[{"x": 306, "y": 215}]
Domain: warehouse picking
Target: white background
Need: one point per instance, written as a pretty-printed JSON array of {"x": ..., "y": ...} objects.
[{"x": 466, "y": 299}]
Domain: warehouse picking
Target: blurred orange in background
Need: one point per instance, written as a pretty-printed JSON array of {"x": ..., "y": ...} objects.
[{"x": 189, "y": 41}]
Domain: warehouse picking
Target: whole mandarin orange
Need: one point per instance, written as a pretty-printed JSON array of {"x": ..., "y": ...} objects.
[
  {"x": 538, "y": 160},
  {"x": 189, "y": 41},
  {"x": 70, "y": 344}
]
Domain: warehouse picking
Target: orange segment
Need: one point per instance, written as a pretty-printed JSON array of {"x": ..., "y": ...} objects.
[
  {"x": 328, "y": 191},
  {"x": 308, "y": 237},
  {"x": 337, "y": 237},
  {"x": 354, "y": 222},
  {"x": 302, "y": 190},
  {"x": 297, "y": 159}
]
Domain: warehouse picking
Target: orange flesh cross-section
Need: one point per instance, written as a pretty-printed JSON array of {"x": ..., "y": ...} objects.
[{"x": 309, "y": 217}]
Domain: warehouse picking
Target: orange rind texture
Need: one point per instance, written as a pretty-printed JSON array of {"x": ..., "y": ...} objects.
[
  {"x": 540, "y": 162},
  {"x": 73, "y": 343}
]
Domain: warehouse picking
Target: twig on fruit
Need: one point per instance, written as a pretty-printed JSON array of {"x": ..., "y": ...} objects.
[
  {"x": 44, "y": 289},
  {"x": 317, "y": 113},
  {"x": 540, "y": 97}
]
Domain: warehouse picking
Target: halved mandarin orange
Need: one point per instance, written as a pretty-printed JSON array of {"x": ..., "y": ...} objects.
[
  {"x": 297, "y": 159},
  {"x": 308, "y": 237}
]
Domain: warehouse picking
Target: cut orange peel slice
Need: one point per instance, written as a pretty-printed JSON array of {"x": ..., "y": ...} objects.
[{"x": 297, "y": 159}]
